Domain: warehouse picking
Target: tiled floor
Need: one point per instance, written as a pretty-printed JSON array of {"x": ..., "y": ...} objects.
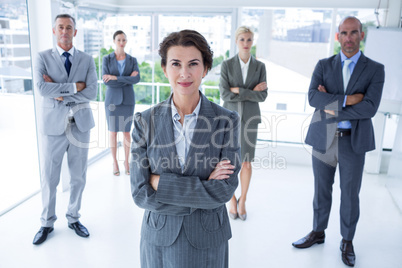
[{"x": 279, "y": 212}]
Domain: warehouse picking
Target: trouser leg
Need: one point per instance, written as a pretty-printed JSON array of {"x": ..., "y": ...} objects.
[
  {"x": 350, "y": 172},
  {"x": 77, "y": 156},
  {"x": 52, "y": 153},
  {"x": 324, "y": 167}
]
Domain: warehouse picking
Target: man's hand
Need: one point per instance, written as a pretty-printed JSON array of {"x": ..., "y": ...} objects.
[
  {"x": 80, "y": 86},
  {"x": 321, "y": 88},
  {"x": 135, "y": 73},
  {"x": 260, "y": 87},
  {"x": 154, "y": 181},
  {"x": 331, "y": 112},
  {"x": 235, "y": 90},
  {"x": 47, "y": 78},
  {"x": 354, "y": 99},
  {"x": 59, "y": 99},
  {"x": 107, "y": 77},
  {"x": 222, "y": 171}
]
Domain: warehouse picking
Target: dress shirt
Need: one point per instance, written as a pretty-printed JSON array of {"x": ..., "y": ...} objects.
[
  {"x": 63, "y": 59},
  {"x": 184, "y": 133},
  {"x": 121, "y": 65},
  {"x": 352, "y": 65},
  {"x": 244, "y": 68}
]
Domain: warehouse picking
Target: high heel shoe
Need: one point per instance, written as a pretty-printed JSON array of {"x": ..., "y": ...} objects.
[
  {"x": 233, "y": 216},
  {"x": 116, "y": 172},
  {"x": 127, "y": 170},
  {"x": 243, "y": 217}
]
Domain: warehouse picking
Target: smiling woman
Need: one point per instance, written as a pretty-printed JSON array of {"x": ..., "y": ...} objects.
[{"x": 185, "y": 221}]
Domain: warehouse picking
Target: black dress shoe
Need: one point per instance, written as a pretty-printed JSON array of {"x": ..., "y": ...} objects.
[
  {"x": 79, "y": 229},
  {"x": 348, "y": 254},
  {"x": 41, "y": 236},
  {"x": 310, "y": 239}
]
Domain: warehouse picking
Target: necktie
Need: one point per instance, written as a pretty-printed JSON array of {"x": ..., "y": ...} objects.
[
  {"x": 67, "y": 63},
  {"x": 346, "y": 74}
]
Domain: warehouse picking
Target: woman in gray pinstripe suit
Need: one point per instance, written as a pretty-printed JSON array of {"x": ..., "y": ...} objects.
[
  {"x": 183, "y": 167},
  {"x": 243, "y": 85}
]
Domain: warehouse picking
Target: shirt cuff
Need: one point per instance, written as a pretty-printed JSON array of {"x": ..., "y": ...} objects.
[
  {"x": 344, "y": 102},
  {"x": 75, "y": 88}
]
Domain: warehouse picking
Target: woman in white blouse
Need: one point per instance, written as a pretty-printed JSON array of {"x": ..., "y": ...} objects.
[{"x": 242, "y": 86}]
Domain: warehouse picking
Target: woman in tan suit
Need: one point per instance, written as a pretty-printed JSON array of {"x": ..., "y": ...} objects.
[{"x": 242, "y": 86}]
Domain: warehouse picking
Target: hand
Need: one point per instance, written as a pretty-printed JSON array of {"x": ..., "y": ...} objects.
[
  {"x": 322, "y": 89},
  {"x": 260, "y": 87},
  {"x": 154, "y": 181},
  {"x": 59, "y": 99},
  {"x": 47, "y": 78},
  {"x": 354, "y": 99},
  {"x": 331, "y": 112},
  {"x": 235, "y": 90},
  {"x": 135, "y": 73},
  {"x": 80, "y": 86},
  {"x": 222, "y": 170},
  {"x": 107, "y": 77}
]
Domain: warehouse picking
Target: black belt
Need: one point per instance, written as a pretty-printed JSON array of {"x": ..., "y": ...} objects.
[
  {"x": 71, "y": 120},
  {"x": 343, "y": 132}
]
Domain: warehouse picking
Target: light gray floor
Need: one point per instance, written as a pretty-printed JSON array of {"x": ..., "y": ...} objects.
[{"x": 279, "y": 212}]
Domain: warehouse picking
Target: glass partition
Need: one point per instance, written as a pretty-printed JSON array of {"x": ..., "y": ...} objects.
[{"x": 19, "y": 173}]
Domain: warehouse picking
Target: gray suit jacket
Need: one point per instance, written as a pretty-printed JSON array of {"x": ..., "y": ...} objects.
[
  {"x": 367, "y": 78},
  {"x": 184, "y": 200},
  {"x": 246, "y": 102},
  {"x": 55, "y": 113},
  {"x": 120, "y": 91}
]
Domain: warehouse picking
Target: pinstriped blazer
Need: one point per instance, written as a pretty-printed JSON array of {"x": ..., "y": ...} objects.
[
  {"x": 120, "y": 91},
  {"x": 246, "y": 102},
  {"x": 185, "y": 199}
]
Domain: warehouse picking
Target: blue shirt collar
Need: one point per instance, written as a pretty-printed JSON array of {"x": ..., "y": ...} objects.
[{"x": 354, "y": 58}]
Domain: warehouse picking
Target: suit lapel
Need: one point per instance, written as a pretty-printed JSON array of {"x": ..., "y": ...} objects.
[
  {"x": 164, "y": 133},
  {"x": 114, "y": 70},
  {"x": 75, "y": 64},
  {"x": 60, "y": 63},
  {"x": 237, "y": 70},
  {"x": 360, "y": 66},
  {"x": 127, "y": 65},
  {"x": 202, "y": 135},
  {"x": 337, "y": 67},
  {"x": 251, "y": 71}
]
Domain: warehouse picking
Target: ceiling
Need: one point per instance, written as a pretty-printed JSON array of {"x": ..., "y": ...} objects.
[{"x": 210, "y": 4}]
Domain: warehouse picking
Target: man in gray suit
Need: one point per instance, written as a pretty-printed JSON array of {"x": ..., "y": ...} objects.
[
  {"x": 346, "y": 91},
  {"x": 66, "y": 79}
]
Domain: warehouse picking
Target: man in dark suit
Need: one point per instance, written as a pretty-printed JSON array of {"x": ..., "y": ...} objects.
[{"x": 346, "y": 91}]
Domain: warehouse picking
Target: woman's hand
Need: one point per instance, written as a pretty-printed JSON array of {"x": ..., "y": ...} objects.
[
  {"x": 107, "y": 77},
  {"x": 135, "y": 73},
  {"x": 222, "y": 170},
  {"x": 260, "y": 87},
  {"x": 154, "y": 181}
]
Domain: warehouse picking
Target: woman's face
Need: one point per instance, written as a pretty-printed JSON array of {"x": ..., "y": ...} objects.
[
  {"x": 184, "y": 69},
  {"x": 244, "y": 42},
  {"x": 120, "y": 41}
]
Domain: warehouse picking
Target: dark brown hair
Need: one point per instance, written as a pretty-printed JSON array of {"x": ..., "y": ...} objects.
[
  {"x": 187, "y": 38},
  {"x": 117, "y": 33}
]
